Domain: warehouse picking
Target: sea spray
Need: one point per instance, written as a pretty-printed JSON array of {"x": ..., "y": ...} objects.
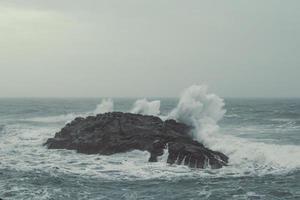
[
  {"x": 203, "y": 110},
  {"x": 200, "y": 109},
  {"x": 145, "y": 107},
  {"x": 107, "y": 105}
]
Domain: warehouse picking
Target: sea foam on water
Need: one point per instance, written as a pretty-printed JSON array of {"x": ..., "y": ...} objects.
[{"x": 203, "y": 110}]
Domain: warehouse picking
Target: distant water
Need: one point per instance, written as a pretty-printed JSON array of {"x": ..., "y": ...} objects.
[{"x": 261, "y": 137}]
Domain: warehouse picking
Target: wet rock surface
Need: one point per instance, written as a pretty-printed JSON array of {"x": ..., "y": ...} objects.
[{"x": 118, "y": 132}]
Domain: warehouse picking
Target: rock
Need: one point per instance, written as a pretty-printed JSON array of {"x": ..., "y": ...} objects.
[{"x": 117, "y": 132}]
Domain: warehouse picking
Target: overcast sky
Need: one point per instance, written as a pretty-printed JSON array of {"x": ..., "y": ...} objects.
[{"x": 134, "y": 48}]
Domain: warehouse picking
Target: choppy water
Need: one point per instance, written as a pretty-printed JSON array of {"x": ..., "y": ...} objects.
[{"x": 261, "y": 137}]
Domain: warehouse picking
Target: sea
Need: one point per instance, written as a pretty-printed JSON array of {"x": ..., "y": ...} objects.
[{"x": 261, "y": 136}]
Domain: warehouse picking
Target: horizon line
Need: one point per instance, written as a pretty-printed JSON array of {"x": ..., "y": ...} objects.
[{"x": 135, "y": 97}]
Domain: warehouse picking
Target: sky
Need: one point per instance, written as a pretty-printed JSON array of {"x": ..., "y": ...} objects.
[{"x": 149, "y": 48}]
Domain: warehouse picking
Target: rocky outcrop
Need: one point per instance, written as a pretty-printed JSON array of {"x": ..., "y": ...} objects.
[{"x": 118, "y": 132}]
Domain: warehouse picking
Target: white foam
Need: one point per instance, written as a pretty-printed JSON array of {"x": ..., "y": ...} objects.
[
  {"x": 256, "y": 158},
  {"x": 199, "y": 109},
  {"x": 107, "y": 105},
  {"x": 145, "y": 107},
  {"x": 203, "y": 110},
  {"x": 21, "y": 147}
]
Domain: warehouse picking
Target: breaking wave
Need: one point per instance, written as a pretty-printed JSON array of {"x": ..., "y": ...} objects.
[
  {"x": 201, "y": 110},
  {"x": 145, "y": 107},
  {"x": 107, "y": 105},
  {"x": 196, "y": 107}
]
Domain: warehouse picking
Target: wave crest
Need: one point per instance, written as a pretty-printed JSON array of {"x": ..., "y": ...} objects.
[
  {"x": 145, "y": 107},
  {"x": 199, "y": 109},
  {"x": 107, "y": 105}
]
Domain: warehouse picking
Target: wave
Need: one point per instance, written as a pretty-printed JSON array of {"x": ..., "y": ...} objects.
[
  {"x": 203, "y": 110},
  {"x": 256, "y": 158},
  {"x": 196, "y": 107},
  {"x": 145, "y": 107},
  {"x": 246, "y": 159},
  {"x": 200, "y": 109},
  {"x": 107, "y": 105},
  {"x": 232, "y": 116}
]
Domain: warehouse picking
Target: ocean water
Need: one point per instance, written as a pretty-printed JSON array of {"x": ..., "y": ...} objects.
[{"x": 260, "y": 136}]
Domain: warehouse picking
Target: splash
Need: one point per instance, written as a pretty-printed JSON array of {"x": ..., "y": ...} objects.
[
  {"x": 107, "y": 105},
  {"x": 145, "y": 107},
  {"x": 200, "y": 109},
  {"x": 203, "y": 110},
  {"x": 196, "y": 107}
]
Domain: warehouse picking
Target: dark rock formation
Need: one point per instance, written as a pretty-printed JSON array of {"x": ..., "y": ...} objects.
[{"x": 118, "y": 132}]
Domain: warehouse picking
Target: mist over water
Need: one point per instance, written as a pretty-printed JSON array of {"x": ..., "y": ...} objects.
[{"x": 261, "y": 138}]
